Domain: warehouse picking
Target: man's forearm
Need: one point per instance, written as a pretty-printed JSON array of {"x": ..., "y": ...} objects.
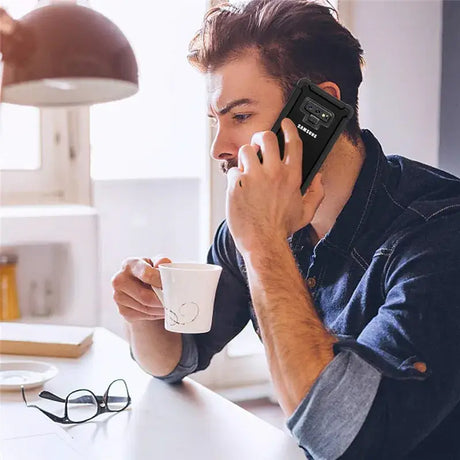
[
  {"x": 297, "y": 345},
  {"x": 157, "y": 350}
]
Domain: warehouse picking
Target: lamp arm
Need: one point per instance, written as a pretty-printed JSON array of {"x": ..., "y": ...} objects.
[
  {"x": 16, "y": 40},
  {"x": 7, "y": 23},
  {"x": 7, "y": 27}
]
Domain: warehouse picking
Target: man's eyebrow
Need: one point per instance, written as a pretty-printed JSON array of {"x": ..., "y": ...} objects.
[{"x": 235, "y": 103}]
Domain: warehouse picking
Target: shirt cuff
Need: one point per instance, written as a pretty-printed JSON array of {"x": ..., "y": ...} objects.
[
  {"x": 330, "y": 416},
  {"x": 187, "y": 363}
]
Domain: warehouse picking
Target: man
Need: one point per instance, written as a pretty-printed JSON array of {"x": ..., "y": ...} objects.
[{"x": 353, "y": 288}]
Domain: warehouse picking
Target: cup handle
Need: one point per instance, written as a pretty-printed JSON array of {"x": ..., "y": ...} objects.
[{"x": 159, "y": 294}]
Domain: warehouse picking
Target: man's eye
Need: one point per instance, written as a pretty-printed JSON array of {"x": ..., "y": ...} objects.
[{"x": 241, "y": 117}]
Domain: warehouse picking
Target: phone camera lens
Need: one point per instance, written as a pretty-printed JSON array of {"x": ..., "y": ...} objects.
[{"x": 317, "y": 111}]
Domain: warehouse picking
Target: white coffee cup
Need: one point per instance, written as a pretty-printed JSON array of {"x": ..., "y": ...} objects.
[{"x": 187, "y": 294}]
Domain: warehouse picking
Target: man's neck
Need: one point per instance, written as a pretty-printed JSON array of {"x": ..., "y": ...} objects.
[{"x": 339, "y": 174}]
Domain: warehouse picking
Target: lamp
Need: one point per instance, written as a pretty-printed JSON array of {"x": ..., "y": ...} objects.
[{"x": 64, "y": 54}]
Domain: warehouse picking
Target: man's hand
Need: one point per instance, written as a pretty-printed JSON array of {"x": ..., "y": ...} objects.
[
  {"x": 133, "y": 292},
  {"x": 264, "y": 199}
]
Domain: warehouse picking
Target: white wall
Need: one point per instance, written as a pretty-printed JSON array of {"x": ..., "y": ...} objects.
[
  {"x": 399, "y": 98},
  {"x": 449, "y": 158}
]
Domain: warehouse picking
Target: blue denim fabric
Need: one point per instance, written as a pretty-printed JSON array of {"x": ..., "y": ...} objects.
[
  {"x": 388, "y": 286},
  {"x": 338, "y": 402},
  {"x": 187, "y": 364}
]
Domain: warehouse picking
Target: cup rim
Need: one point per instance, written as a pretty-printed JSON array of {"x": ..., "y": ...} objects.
[{"x": 189, "y": 266}]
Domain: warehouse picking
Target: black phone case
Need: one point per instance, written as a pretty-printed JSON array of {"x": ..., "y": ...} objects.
[{"x": 320, "y": 118}]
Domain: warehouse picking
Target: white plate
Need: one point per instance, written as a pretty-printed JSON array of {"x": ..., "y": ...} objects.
[{"x": 31, "y": 374}]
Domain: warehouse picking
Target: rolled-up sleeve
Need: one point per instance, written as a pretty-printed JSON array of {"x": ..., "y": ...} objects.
[
  {"x": 393, "y": 385},
  {"x": 188, "y": 361},
  {"x": 338, "y": 403}
]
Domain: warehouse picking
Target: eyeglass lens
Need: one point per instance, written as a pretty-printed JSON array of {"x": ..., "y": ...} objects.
[
  {"x": 81, "y": 406},
  {"x": 117, "y": 396}
]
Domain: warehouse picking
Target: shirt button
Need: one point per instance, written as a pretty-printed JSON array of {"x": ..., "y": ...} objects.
[
  {"x": 311, "y": 282},
  {"x": 420, "y": 366}
]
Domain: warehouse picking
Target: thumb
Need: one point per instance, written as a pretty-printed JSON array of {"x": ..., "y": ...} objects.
[
  {"x": 160, "y": 259},
  {"x": 312, "y": 198}
]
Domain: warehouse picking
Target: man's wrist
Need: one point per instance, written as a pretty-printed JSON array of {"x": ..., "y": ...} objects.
[{"x": 266, "y": 251}]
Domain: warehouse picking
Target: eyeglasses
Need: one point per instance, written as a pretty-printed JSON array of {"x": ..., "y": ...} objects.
[{"x": 83, "y": 405}]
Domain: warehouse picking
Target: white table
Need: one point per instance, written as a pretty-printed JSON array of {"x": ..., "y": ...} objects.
[{"x": 184, "y": 421}]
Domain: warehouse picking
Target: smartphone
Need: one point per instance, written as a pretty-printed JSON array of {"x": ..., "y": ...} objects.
[{"x": 320, "y": 118}]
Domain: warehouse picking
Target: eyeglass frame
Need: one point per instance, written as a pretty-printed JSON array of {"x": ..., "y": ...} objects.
[{"x": 102, "y": 406}]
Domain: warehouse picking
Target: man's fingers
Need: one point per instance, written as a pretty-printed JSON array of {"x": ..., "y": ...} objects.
[
  {"x": 123, "y": 299},
  {"x": 132, "y": 289},
  {"x": 160, "y": 259},
  {"x": 314, "y": 194},
  {"x": 132, "y": 315},
  {"x": 139, "y": 292},
  {"x": 233, "y": 177},
  {"x": 143, "y": 271},
  {"x": 316, "y": 185},
  {"x": 268, "y": 143},
  {"x": 247, "y": 157},
  {"x": 292, "y": 144}
]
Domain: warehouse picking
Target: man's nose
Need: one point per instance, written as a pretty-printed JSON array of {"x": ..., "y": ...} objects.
[{"x": 223, "y": 148}]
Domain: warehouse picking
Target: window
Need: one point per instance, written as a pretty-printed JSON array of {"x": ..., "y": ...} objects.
[
  {"x": 16, "y": 120},
  {"x": 162, "y": 130},
  {"x": 41, "y": 161}
]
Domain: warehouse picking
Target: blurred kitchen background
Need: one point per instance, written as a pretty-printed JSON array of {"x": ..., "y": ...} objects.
[{"x": 84, "y": 188}]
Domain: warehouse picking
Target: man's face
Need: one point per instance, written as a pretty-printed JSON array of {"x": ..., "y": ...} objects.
[{"x": 242, "y": 101}]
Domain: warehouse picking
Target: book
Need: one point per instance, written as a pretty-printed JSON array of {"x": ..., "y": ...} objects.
[{"x": 44, "y": 339}]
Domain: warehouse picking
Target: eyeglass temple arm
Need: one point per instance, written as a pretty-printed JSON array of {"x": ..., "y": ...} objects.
[
  {"x": 82, "y": 399},
  {"x": 48, "y": 395},
  {"x": 53, "y": 417}
]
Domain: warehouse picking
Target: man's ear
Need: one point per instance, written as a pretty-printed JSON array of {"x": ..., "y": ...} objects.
[{"x": 331, "y": 88}]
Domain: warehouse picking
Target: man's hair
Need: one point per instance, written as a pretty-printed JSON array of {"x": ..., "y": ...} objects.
[{"x": 294, "y": 38}]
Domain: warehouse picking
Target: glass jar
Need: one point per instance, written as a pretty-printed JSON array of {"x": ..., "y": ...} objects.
[{"x": 9, "y": 307}]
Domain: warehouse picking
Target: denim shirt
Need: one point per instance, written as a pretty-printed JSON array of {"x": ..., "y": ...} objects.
[{"x": 385, "y": 280}]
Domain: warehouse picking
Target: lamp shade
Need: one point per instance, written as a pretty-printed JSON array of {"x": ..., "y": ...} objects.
[{"x": 67, "y": 54}]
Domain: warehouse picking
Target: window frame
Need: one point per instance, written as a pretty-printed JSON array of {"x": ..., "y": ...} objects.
[{"x": 64, "y": 174}]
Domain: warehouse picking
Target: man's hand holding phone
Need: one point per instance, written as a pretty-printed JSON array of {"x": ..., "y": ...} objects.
[{"x": 264, "y": 200}]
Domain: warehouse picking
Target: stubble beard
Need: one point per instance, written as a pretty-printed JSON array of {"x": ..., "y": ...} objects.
[{"x": 225, "y": 166}]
